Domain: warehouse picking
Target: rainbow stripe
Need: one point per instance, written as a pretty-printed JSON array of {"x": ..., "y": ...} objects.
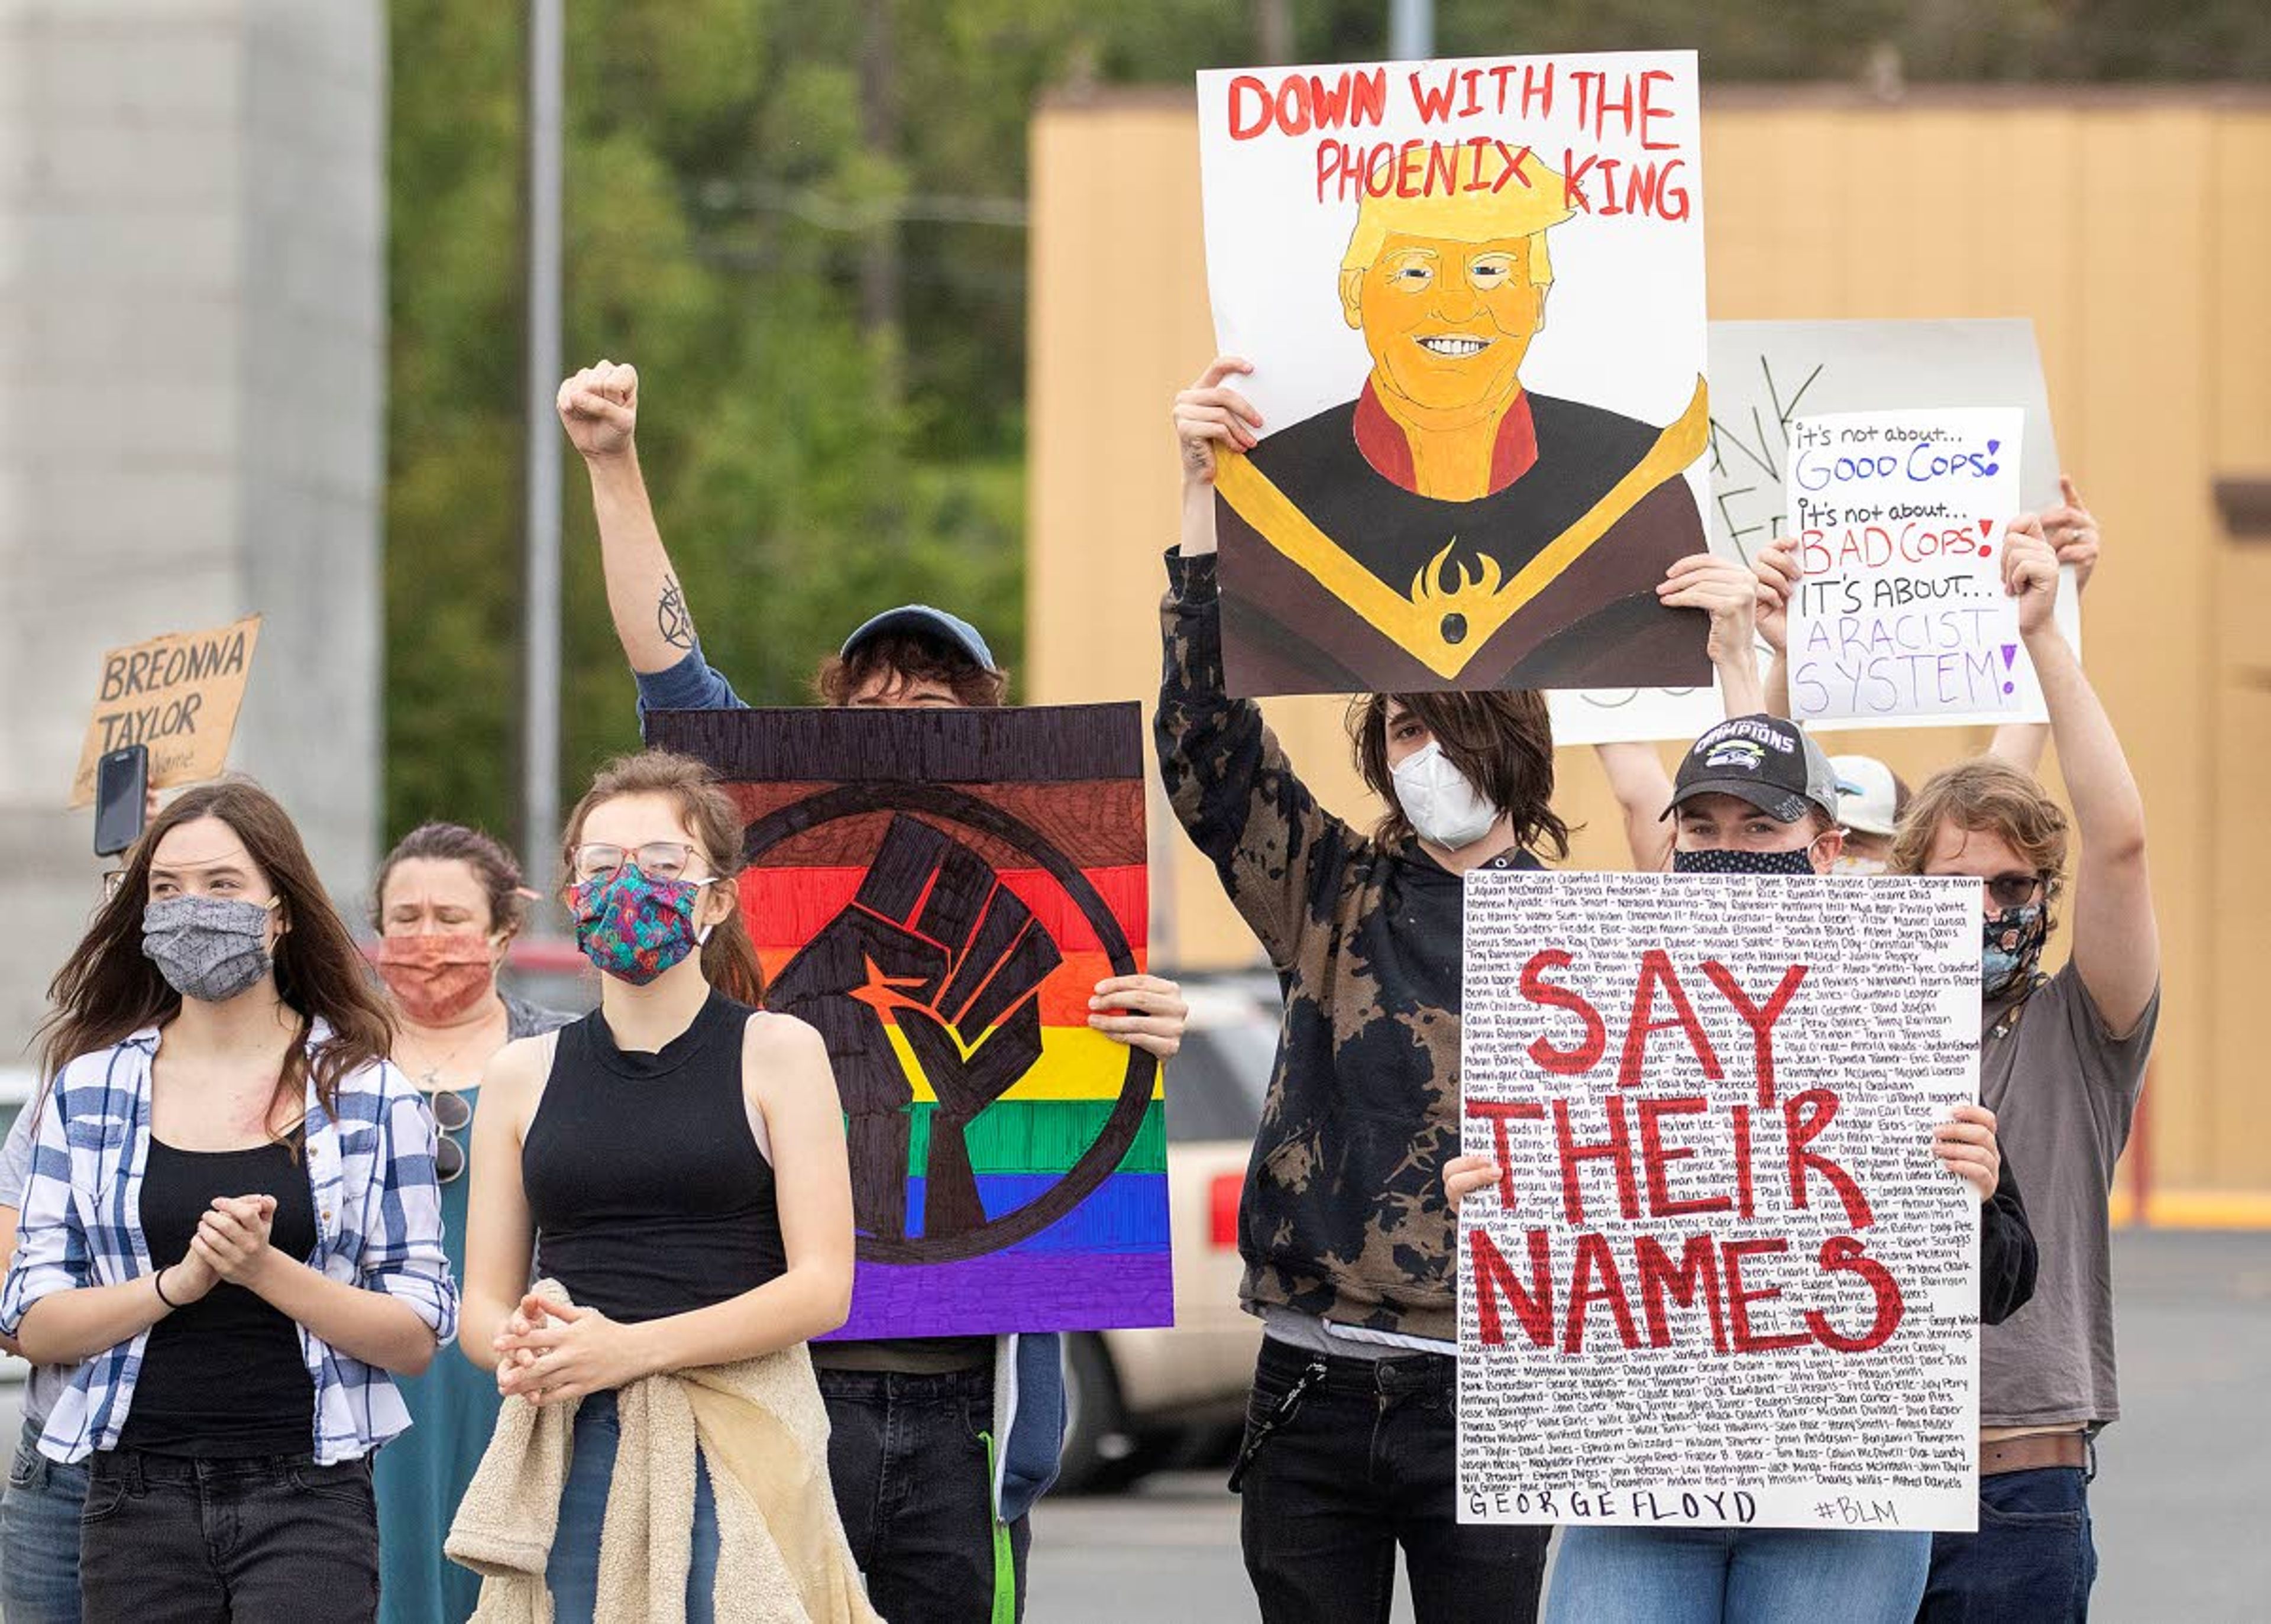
[{"x": 1004, "y": 784}]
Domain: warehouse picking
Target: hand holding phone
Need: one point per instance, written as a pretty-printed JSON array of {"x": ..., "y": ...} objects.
[{"x": 121, "y": 797}]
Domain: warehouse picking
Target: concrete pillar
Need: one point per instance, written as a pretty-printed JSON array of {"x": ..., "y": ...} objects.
[{"x": 192, "y": 378}]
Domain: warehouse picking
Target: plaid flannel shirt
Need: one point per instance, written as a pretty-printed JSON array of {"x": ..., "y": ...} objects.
[{"x": 378, "y": 1225}]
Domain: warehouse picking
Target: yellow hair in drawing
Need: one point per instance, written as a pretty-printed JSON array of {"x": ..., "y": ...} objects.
[{"x": 1442, "y": 207}]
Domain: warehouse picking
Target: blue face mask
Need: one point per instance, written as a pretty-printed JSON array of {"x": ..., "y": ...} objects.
[
  {"x": 2010, "y": 946},
  {"x": 1721, "y": 861}
]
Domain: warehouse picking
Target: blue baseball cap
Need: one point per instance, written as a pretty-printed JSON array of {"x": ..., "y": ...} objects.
[{"x": 924, "y": 622}]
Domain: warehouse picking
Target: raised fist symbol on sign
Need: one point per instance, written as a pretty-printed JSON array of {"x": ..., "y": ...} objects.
[{"x": 935, "y": 941}]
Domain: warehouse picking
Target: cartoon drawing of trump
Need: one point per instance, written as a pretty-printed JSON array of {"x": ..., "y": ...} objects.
[{"x": 1448, "y": 528}]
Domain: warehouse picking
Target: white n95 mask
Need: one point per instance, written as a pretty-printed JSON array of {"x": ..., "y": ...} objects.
[{"x": 1443, "y": 807}]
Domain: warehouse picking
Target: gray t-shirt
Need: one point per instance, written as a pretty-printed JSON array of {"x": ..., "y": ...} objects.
[
  {"x": 48, "y": 1381},
  {"x": 2063, "y": 1089}
]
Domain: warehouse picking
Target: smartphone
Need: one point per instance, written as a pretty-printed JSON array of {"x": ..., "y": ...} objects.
[{"x": 122, "y": 796}]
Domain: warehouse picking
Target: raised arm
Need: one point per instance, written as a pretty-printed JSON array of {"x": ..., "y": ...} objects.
[
  {"x": 788, "y": 1082},
  {"x": 599, "y": 408},
  {"x": 2117, "y": 944},
  {"x": 1775, "y": 570},
  {"x": 1225, "y": 773},
  {"x": 2072, "y": 529},
  {"x": 1643, "y": 789}
]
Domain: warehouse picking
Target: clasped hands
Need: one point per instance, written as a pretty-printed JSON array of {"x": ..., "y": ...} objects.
[
  {"x": 548, "y": 1352},
  {"x": 231, "y": 1244}
]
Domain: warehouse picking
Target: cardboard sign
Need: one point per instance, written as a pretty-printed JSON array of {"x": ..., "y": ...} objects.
[
  {"x": 1473, "y": 294},
  {"x": 1766, "y": 375},
  {"x": 938, "y": 892},
  {"x": 1901, "y": 617},
  {"x": 1723, "y": 1279},
  {"x": 179, "y": 695}
]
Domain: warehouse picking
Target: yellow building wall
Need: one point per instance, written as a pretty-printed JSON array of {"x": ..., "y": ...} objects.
[{"x": 2133, "y": 228}]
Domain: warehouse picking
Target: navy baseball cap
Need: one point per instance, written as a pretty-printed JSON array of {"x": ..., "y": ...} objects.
[
  {"x": 1769, "y": 761},
  {"x": 924, "y": 622}
]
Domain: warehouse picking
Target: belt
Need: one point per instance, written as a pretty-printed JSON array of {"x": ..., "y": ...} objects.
[{"x": 2033, "y": 1453}]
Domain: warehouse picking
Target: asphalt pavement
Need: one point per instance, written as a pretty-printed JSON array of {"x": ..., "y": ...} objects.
[
  {"x": 2178, "y": 1501},
  {"x": 2178, "y": 1504}
]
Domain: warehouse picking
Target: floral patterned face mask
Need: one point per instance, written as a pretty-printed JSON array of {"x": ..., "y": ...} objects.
[{"x": 634, "y": 928}]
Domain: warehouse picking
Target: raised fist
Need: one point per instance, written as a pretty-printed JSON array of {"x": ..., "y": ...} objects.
[
  {"x": 935, "y": 941},
  {"x": 599, "y": 408}
]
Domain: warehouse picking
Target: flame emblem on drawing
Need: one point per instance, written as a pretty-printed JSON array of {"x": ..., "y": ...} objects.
[{"x": 1445, "y": 587}]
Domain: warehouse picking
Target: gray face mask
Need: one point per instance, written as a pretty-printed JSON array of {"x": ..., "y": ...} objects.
[{"x": 208, "y": 948}]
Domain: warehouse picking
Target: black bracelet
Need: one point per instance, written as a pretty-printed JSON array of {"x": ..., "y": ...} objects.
[{"x": 158, "y": 1281}]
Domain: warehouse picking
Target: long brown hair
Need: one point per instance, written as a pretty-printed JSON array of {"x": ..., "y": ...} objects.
[
  {"x": 1987, "y": 796},
  {"x": 108, "y": 989},
  {"x": 497, "y": 870},
  {"x": 729, "y": 958},
  {"x": 1501, "y": 741}
]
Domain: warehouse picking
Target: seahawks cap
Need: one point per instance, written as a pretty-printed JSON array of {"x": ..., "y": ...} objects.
[{"x": 1769, "y": 761}]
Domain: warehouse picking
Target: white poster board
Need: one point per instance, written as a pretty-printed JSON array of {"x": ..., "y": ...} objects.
[
  {"x": 1766, "y": 375},
  {"x": 1901, "y": 619},
  {"x": 1550, "y": 209},
  {"x": 1723, "y": 1281}
]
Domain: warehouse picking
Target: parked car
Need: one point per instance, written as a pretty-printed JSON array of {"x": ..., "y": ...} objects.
[{"x": 1137, "y": 1400}]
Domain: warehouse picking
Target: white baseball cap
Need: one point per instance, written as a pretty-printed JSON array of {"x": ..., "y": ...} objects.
[{"x": 1873, "y": 796}]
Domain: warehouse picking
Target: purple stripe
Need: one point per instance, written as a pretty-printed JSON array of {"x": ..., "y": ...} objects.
[{"x": 1012, "y": 1291}]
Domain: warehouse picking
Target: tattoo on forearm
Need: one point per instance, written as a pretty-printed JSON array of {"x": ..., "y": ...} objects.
[{"x": 671, "y": 618}]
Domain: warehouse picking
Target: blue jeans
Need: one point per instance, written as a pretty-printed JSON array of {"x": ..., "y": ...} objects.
[
  {"x": 572, "y": 1576},
  {"x": 38, "y": 1537},
  {"x": 1742, "y": 1575},
  {"x": 2033, "y": 1558}
]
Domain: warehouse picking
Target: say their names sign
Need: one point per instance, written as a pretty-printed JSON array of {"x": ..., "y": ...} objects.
[
  {"x": 1900, "y": 617},
  {"x": 1722, "y": 1278},
  {"x": 178, "y": 695}
]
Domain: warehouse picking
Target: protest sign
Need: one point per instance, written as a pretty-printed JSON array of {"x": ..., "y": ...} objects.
[
  {"x": 1764, "y": 377},
  {"x": 1723, "y": 1280},
  {"x": 1472, "y": 293},
  {"x": 1900, "y": 617},
  {"x": 939, "y": 892},
  {"x": 178, "y": 695}
]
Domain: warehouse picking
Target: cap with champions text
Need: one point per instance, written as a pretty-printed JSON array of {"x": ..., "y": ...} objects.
[
  {"x": 924, "y": 622},
  {"x": 1769, "y": 761}
]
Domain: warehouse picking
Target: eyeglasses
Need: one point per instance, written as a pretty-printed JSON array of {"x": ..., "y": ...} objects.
[
  {"x": 658, "y": 859},
  {"x": 453, "y": 1113},
  {"x": 2012, "y": 891}
]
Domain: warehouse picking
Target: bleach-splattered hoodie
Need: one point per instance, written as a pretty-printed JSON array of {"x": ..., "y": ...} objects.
[{"x": 1343, "y": 1214}]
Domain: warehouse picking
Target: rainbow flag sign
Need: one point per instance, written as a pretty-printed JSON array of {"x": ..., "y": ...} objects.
[{"x": 939, "y": 892}]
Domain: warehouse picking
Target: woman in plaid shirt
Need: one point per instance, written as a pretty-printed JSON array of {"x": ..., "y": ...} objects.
[{"x": 232, "y": 1219}]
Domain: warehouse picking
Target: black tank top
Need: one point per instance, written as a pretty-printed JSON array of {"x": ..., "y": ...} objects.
[
  {"x": 223, "y": 1378},
  {"x": 647, "y": 1188}
]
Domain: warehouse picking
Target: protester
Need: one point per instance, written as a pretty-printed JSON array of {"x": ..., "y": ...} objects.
[
  {"x": 221, "y": 1108},
  {"x": 1348, "y": 1240},
  {"x": 39, "y": 1506},
  {"x": 940, "y": 1532},
  {"x": 1773, "y": 808},
  {"x": 676, "y": 1160},
  {"x": 447, "y": 904},
  {"x": 2062, "y": 1062}
]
